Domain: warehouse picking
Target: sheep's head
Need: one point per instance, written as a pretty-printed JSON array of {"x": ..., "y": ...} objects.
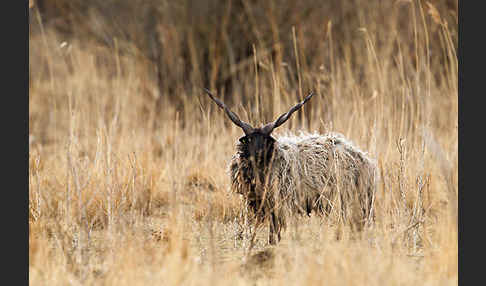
[{"x": 257, "y": 145}]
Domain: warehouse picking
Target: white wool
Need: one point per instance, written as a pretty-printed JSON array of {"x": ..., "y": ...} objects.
[{"x": 314, "y": 172}]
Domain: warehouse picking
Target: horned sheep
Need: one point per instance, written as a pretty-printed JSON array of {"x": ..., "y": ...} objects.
[{"x": 297, "y": 174}]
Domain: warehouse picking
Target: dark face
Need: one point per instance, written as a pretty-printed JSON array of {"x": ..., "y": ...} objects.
[{"x": 257, "y": 147}]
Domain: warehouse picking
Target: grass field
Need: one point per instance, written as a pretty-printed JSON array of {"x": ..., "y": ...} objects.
[{"x": 128, "y": 179}]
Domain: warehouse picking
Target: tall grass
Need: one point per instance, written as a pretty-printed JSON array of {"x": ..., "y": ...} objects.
[{"x": 127, "y": 162}]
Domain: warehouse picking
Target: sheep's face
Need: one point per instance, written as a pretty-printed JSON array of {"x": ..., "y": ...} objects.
[{"x": 257, "y": 147}]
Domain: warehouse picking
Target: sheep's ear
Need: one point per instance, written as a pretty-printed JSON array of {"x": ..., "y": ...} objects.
[
  {"x": 268, "y": 128},
  {"x": 236, "y": 120}
]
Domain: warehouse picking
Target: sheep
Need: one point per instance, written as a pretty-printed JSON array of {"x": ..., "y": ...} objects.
[{"x": 297, "y": 174}]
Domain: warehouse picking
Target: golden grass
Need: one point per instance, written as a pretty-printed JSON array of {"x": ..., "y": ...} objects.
[{"x": 126, "y": 188}]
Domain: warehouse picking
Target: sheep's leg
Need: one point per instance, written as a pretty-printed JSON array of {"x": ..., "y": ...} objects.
[
  {"x": 274, "y": 230},
  {"x": 271, "y": 239}
]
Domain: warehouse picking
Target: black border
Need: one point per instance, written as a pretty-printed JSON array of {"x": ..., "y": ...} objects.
[{"x": 14, "y": 119}]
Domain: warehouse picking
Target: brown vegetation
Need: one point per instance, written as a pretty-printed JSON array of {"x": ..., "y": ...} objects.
[{"x": 128, "y": 157}]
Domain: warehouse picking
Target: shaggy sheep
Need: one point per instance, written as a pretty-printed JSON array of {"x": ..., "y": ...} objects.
[{"x": 298, "y": 174}]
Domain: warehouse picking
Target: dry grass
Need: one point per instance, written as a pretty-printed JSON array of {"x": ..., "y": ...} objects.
[{"x": 128, "y": 181}]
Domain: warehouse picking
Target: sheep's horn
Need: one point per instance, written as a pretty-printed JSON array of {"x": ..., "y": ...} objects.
[
  {"x": 236, "y": 120},
  {"x": 268, "y": 128}
]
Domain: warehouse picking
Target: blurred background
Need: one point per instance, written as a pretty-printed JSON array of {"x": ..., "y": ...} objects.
[{"x": 245, "y": 51}]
